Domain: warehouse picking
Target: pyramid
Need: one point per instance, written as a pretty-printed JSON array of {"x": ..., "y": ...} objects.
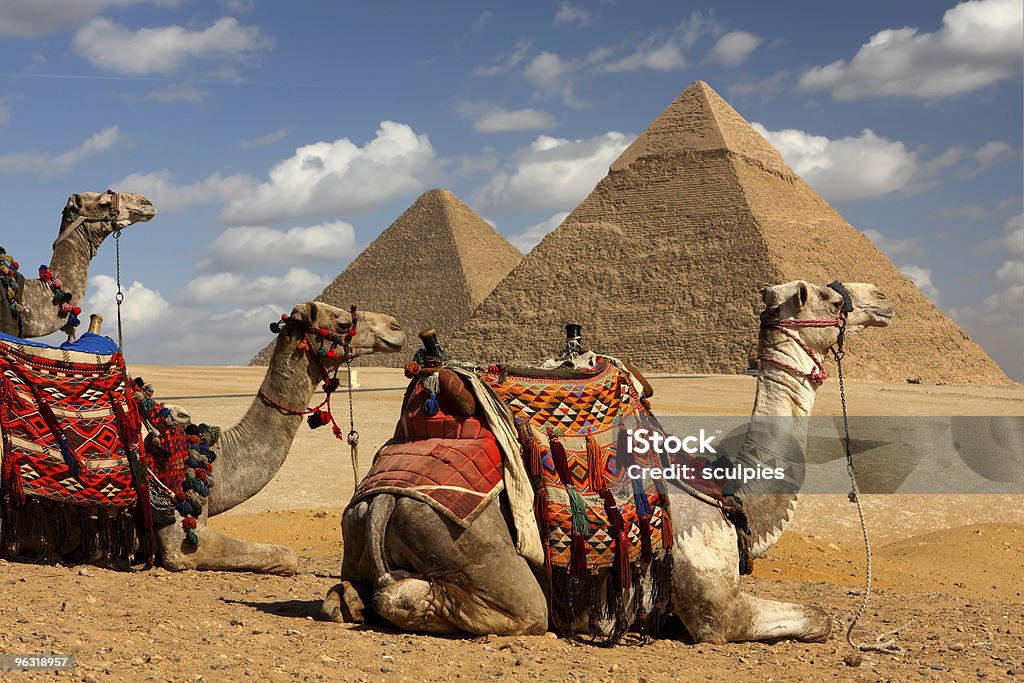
[
  {"x": 430, "y": 268},
  {"x": 663, "y": 261}
]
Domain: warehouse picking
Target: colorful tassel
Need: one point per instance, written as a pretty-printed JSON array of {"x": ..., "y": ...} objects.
[
  {"x": 432, "y": 384},
  {"x": 530, "y": 445},
  {"x": 578, "y": 556},
  {"x": 618, "y": 532},
  {"x": 646, "y": 553},
  {"x": 595, "y": 465},
  {"x": 559, "y": 458},
  {"x": 643, "y": 505}
]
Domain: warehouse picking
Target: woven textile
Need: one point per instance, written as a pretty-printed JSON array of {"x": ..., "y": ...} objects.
[
  {"x": 65, "y": 417},
  {"x": 449, "y": 461}
]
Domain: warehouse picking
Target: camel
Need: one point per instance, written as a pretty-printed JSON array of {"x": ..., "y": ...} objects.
[
  {"x": 87, "y": 220},
  {"x": 406, "y": 563},
  {"x": 251, "y": 452}
]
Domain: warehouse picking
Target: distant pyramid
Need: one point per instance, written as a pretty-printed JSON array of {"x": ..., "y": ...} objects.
[
  {"x": 663, "y": 262},
  {"x": 430, "y": 268}
]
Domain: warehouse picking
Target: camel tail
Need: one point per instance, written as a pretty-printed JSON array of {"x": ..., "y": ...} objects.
[{"x": 381, "y": 507}]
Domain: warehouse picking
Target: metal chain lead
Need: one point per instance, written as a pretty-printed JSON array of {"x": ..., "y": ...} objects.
[
  {"x": 119, "y": 297},
  {"x": 889, "y": 646},
  {"x": 353, "y": 435}
]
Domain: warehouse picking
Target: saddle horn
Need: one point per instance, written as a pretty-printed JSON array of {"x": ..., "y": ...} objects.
[{"x": 95, "y": 320}]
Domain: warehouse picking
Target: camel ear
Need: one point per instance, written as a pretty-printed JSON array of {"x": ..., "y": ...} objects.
[
  {"x": 766, "y": 292},
  {"x": 802, "y": 294},
  {"x": 303, "y": 313}
]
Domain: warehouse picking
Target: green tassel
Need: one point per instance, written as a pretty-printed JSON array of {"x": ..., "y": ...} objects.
[
  {"x": 192, "y": 537},
  {"x": 578, "y": 507}
]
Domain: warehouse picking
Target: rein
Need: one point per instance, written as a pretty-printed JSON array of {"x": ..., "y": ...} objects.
[
  {"x": 322, "y": 414},
  {"x": 818, "y": 375}
]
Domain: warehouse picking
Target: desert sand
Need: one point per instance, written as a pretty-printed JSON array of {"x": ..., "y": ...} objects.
[{"x": 949, "y": 567}]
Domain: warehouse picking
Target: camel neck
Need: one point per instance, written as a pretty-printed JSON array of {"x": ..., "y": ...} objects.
[
  {"x": 777, "y": 437},
  {"x": 253, "y": 450},
  {"x": 73, "y": 254}
]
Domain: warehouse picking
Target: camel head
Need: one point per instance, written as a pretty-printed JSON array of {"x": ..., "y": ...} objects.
[
  {"x": 375, "y": 332},
  {"x": 802, "y": 300},
  {"x": 118, "y": 210}
]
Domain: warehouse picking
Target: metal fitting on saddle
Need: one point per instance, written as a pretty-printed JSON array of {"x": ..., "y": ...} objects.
[
  {"x": 573, "y": 341},
  {"x": 431, "y": 355}
]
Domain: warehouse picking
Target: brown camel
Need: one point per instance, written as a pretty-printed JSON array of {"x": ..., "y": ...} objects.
[
  {"x": 251, "y": 452},
  {"x": 416, "y": 569},
  {"x": 87, "y": 220}
]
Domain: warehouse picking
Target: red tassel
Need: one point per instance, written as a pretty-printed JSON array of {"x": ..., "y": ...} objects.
[
  {"x": 14, "y": 480},
  {"x": 146, "y": 505},
  {"x": 578, "y": 557},
  {"x": 666, "y": 529},
  {"x": 560, "y": 458},
  {"x": 595, "y": 465},
  {"x": 646, "y": 552}
]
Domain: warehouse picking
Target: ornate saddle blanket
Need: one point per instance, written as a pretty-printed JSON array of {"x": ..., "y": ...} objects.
[
  {"x": 449, "y": 461},
  {"x": 71, "y": 433},
  {"x": 71, "y": 441}
]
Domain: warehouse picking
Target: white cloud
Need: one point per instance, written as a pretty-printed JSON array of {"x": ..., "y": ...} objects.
[
  {"x": 922, "y": 278},
  {"x": 159, "y": 332},
  {"x": 31, "y": 18},
  {"x": 5, "y": 113},
  {"x": 56, "y": 165},
  {"x": 490, "y": 118},
  {"x": 987, "y": 157},
  {"x": 550, "y": 74},
  {"x": 482, "y": 20},
  {"x": 980, "y": 43},
  {"x": 178, "y": 92},
  {"x": 507, "y": 63},
  {"x": 143, "y": 308},
  {"x": 846, "y": 168},
  {"x": 570, "y": 14},
  {"x": 998, "y": 323},
  {"x": 298, "y": 284},
  {"x": 733, "y": 48},
  {"x": 164, "y": 50},
  {"x": 338, "y": 178},
  {"x": 552, "y": 173},
  {"x": 160, "y": 188},
  {"x": 908, "y": 247},
  {"x": 659, "y": 56},
  {"x": 257, "y": 247},
  {"x": 764, "y": 89},
  {"x": 532, "y": 235},
  {"x": 268, "y": 139}
]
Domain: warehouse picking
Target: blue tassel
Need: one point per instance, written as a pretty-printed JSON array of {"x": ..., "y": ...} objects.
[
  {"x": 578, "y": 511},
  {"x": 431, "y": 406},
  {"x": 203, "y": 448},
  {"x": 69, "y": 457},
  {"x": 643, "y": 506},
  {"x": 185, "y": 508},
  {"x": 191, "y": 462}
]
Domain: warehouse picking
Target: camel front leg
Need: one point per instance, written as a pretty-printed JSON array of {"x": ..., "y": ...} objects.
[
  {"x": 705, "y": 586},
  {"x": 221, "y": 552},
  {"x": 350, "y": 601}
]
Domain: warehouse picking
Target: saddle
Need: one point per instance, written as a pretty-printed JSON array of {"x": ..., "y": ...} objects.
[
  {"x": 439, "y": 455},
  {"x": 72, "y": 447}
]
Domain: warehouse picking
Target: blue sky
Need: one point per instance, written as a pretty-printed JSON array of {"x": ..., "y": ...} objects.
[{"x": 278, "y": 139}]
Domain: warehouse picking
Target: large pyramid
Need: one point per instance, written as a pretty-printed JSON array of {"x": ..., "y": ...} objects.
[
  {"x": 431, "y": 267},
  {"x": 663, "y": 262}
]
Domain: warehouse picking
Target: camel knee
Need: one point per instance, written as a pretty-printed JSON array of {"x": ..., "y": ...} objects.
[{"x": 346, "y": 603}]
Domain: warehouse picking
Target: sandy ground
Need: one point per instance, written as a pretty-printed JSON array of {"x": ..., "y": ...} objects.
[{"x": 951, "y": 566}]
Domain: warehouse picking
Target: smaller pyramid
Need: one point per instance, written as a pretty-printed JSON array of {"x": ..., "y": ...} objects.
[{"x": 430, "y": 268}]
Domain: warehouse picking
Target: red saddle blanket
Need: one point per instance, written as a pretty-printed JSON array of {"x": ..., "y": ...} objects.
[
  {"x": 450, "y": 462},
  {"x": 65, "y": 418}
]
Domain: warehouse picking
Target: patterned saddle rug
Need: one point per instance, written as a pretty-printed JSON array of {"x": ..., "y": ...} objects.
[
  {"x": 572, "y": 427},
  {"x": 71, "y": 436},
  {"x": 449, "y": 461}
]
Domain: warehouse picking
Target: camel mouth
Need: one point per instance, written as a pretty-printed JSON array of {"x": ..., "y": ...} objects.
[{"x": 390, "y": 346}]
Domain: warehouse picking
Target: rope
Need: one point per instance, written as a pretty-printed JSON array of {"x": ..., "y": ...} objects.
[
  {"x": 119, "y": 297},
  {"x": 353, "y": 435},
  {"x": 889, "y": 646}
]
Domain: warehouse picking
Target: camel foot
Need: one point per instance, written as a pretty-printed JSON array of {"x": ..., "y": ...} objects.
[
  {"x": 408, "y": 604},
  {"x": 344, "y": 604}
]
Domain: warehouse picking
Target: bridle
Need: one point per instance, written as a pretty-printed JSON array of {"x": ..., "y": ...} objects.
[
  {"x": 817, "y": 376},
  {"x": 77, "y": 220},
  {"x": 321, "y": 414}
]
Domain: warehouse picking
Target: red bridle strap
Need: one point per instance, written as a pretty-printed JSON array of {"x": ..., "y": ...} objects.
[{"x": 817, "y": 376}]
